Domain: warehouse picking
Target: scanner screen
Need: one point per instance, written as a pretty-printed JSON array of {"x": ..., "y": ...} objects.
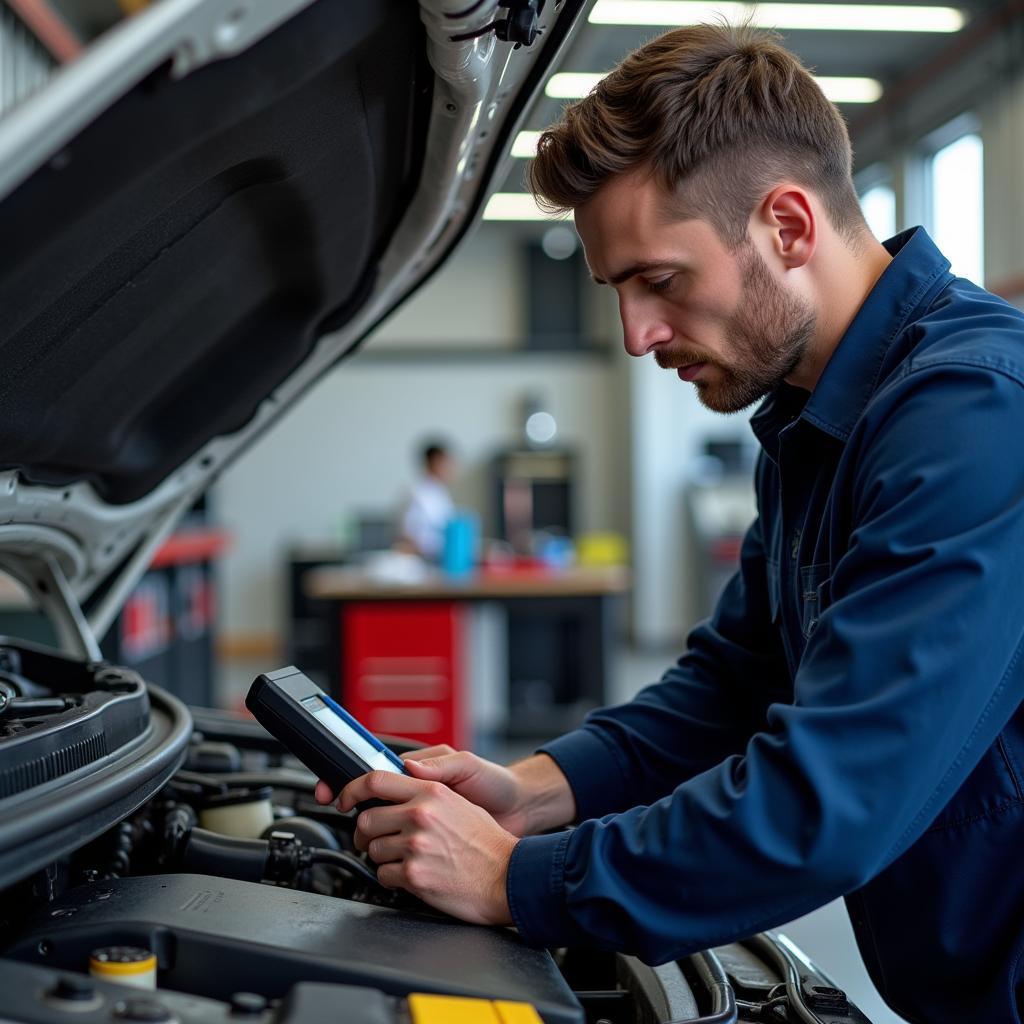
[{"x": 361, "y": 747}]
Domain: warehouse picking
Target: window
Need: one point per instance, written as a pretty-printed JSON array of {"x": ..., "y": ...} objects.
[
  {"x": 955, "y": 194},
  {"x": 879, "y": 206}
]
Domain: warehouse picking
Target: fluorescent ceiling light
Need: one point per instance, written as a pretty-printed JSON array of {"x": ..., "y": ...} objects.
[
  {"x": 516, "y": 206},
  {"x": 850, "y": 90},
  {"x": 525, "y": 145},
  {"x": 834, "y": 17},
  {"x": 571, "y": 85}
]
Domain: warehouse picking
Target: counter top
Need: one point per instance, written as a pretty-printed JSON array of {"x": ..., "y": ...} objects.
[{"x": 347, "y": 584}]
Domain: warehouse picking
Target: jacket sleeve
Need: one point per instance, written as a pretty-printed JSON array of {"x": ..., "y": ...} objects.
[
  {"x": 705, "y": 708},
  {"x": 913, "y": 670}
]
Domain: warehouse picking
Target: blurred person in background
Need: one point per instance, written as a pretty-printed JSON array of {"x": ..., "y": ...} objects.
[{"x": 430, "y": 506}]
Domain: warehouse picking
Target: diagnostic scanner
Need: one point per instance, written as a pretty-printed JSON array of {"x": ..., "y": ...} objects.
[{"x": 317, "y": 729}]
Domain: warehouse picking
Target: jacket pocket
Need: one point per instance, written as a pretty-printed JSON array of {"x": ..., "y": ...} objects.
[
  {"x": 990, "y": 790},
  {"x": 815, "y": 588}
]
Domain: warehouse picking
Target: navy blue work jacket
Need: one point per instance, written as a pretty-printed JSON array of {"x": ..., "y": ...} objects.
[{"x": 849, "y": 721}]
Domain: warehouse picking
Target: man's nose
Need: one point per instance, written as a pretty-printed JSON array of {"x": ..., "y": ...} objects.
[{"x": 642, "y": 328}]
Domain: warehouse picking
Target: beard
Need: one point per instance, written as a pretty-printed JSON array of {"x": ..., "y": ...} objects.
[{"x": 769, "y": 334}]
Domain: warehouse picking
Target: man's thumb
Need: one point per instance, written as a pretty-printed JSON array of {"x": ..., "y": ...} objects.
[{"x": 447, "y": 768}]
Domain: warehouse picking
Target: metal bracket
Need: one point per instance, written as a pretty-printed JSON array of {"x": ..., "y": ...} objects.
[
  {"x": 102, "y": 616},
  {"x": 44, "y": 578}
]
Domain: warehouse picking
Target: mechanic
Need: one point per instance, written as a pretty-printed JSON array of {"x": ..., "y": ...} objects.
[{"x": 849, "y": 720}]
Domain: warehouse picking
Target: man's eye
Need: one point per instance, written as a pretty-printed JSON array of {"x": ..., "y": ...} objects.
[{"x": 662, "y": 284}]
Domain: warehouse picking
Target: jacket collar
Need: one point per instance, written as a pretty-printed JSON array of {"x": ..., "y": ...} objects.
[{"x": 851, "y": 375}]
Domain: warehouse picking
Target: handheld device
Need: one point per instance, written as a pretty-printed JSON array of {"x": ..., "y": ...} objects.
[{"x": 316, "y": 729}]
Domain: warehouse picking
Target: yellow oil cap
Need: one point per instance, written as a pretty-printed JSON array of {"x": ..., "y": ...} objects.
[{"x": 128, "y": 965}]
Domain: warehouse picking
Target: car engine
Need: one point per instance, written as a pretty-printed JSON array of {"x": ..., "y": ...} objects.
[{"x": 160, "y": 864}]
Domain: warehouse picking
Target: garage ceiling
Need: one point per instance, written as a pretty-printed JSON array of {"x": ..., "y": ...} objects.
[{"x": 895, "y": 59}]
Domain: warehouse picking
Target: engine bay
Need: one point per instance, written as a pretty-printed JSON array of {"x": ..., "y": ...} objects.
[{"x": 191, "y": 838}]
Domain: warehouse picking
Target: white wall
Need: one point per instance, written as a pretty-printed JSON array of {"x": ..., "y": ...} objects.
[
  {"x": 475, "y": 300},
  {"x": 669, "y": 427}
]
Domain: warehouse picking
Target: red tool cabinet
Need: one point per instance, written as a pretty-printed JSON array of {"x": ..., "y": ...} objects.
[{"x": 403, "y": 667}]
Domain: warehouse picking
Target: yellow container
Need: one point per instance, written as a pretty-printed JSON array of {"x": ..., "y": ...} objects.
[{"x": 602, "y": 547}]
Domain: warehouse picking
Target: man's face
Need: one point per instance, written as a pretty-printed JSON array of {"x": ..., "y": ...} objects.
[{"x": 716, "y": 316}]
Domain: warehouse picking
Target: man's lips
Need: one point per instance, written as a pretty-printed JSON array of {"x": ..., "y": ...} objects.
[{"x": 691, "y": 371}]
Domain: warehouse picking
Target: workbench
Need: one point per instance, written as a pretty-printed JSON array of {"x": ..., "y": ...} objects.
[{"x": 417, "y": 659}]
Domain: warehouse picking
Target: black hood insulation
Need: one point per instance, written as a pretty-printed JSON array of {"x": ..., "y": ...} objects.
[{"x": 172, "y": 265}]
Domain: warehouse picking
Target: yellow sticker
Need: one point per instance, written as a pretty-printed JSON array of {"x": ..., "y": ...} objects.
[
  {"x": 426, "y": 1009},
  {"x": 517, "y": 1013}
]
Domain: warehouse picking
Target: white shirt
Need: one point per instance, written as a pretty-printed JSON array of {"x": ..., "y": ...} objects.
[{"x": 429, "y": 509}]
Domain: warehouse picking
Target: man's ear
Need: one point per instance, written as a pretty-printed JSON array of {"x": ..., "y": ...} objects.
[{"x": 788, "y": 220}]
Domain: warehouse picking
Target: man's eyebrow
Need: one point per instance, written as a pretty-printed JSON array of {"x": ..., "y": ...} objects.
[{"x": 632, "y": 271}]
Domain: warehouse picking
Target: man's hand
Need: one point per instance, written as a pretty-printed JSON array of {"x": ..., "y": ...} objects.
[
  {"x": 433, "y": 843},
  {"x": 526, "y": 798},
  {"x": 455, "y": 822},
  {"x": 498, "y": 790}
]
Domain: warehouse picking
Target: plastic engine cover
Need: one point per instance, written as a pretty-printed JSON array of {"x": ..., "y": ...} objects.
[{"x": 216, "y": 936}]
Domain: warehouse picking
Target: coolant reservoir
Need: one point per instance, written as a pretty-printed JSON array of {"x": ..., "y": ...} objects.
[{"x": 243, "y": 813}]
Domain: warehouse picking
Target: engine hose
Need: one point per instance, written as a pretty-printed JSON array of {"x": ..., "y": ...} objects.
[
  {"x": 175, "y": 827},
  {"x": 209, "y": 853},
  {"x": 278, "y": 859},
  {"x": 353, "y": 865}
]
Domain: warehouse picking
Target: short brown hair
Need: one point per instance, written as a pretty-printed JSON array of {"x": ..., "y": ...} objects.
[{"x": 724, "y": 110}]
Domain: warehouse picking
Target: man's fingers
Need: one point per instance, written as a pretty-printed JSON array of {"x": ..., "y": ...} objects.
[
  {"x": 381, "y": 821},
  {"x": 378, "y": 821},
  {"x": 385, "y": 849},
  {"x": 438, "y": 750},
  {"x": 423, "y": 770},
  {"x": 378, "y": 786},
  {"x": 323, "y": 793},
  {"x": 391, "y": 876},
  {"x": 447, "y": 768}
]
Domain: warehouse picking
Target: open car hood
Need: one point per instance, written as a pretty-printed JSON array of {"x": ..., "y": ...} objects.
[{"x": 201, "y": 214}]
